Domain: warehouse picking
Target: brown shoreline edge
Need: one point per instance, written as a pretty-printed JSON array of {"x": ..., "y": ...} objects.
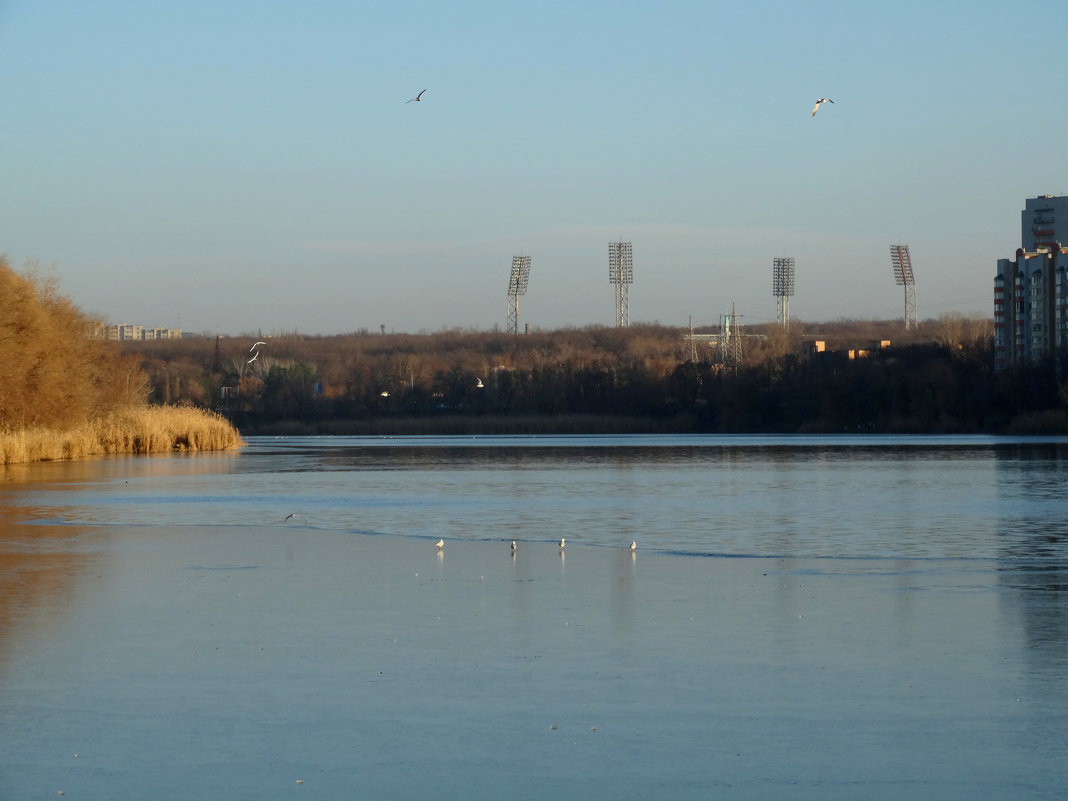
[{"x": 150, "y": 429}]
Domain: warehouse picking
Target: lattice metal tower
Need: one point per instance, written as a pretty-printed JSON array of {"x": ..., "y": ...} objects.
[
  {"x": 517, "y": 285},
  {"x": 730, "y": 340},
  {"x": 621, "y": 273},
  {"x": 782, "y": 286},
  {"x": 903, "y": 276}
]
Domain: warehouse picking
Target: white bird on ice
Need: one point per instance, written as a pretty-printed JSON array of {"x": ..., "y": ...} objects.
[
  {"x": 633, "y": 546},
  {"x": 417, "y": 98},
  {"x": 513, "y": 546},
  {"x": 441, "y": 544},
  {"x": 819, "y": 102},
  {"x": 562, "y": 541}
]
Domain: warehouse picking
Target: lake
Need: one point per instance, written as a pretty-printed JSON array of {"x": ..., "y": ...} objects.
[{"x": 803, "y": 617}]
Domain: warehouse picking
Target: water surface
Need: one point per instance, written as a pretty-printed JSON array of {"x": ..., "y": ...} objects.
[{"x": 804, "y": 618}]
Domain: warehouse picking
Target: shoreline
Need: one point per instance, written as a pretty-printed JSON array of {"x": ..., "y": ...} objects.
[
  {"x": 1045, "y": 423},
  {"x": 145, "y": 430}
]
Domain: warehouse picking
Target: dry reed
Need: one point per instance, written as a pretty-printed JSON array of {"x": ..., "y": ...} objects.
[{"x": 142, "y": 430}]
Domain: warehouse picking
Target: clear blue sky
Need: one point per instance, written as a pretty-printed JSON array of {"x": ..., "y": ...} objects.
[{"x": 253, "y": 166}]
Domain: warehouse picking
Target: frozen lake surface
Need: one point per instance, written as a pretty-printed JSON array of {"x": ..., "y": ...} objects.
[{"x": 804, "y": 618}]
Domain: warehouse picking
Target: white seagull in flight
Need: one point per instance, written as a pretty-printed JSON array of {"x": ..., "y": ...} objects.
[
  {"x": 417, "y": 98},
  {"x": 819, "y": 102}
]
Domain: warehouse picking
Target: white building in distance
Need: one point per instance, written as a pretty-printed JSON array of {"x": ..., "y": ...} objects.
[{"x": 125, "y": 332}]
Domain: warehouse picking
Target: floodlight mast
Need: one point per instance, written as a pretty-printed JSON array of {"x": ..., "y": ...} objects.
[
  {"x": 517, "y": 285},
  {"x": 782, "y": 286},
  {"x": 621, "y": 274},
  {"x": 903, "y": 276}
]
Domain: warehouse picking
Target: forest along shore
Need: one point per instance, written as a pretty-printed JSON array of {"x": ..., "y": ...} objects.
[
  {"x": 866, "y": 377},
  {"x": 67, "y": 393}
]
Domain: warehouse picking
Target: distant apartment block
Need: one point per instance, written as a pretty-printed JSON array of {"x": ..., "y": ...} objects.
[
  {"x": 127, "y": 333},
  {"x": 163, "y": 333},
  {"x": 1031, "y": 290},
  {"x": 1039, "y": 222}
]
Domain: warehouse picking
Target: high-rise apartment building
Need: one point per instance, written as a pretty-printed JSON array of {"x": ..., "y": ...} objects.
[
  {"x": 1043, "y": 222},
  {"x": 1031, "y": 290}
]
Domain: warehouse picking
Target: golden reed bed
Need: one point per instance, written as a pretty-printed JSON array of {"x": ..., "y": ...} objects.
[{"x": 151, "y": 429}]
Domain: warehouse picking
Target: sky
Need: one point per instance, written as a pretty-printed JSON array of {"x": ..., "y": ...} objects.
[{"x": 232, "y": 167}]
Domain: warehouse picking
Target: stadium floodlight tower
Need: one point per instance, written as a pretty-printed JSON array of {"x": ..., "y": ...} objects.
[
  {"x": 782, "y": 286},
  {"x": 621, "y": 273},
  {"x": 903, "y": 276},
  {"x": 517, "y": 285}
]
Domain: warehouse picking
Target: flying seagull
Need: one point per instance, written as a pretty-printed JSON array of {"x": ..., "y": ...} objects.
[
  {"x": 256, "y": 346},
  {"x": 417, "y": 98},
  {"x": 255, "y": 356},
  {"x": 819, "y": 102},
  {"x": 291, "y": 514}
]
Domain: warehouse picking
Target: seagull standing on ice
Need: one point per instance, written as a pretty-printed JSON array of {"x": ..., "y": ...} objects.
[
  {"x": 513, "y": 546},
  {"x": 820, "y": 102},
  {"x": 441, "y": 544},
  {"x": 562, "y": 541},
  {"x": 417, "y": 98},
  {"x": 633, "y": 546}
]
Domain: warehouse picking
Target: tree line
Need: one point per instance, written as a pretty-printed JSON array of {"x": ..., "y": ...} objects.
[
  {"x": 55, "y": 369},
  {"x": 67, "y": 393},
  {"x": 937, "y": 377}
]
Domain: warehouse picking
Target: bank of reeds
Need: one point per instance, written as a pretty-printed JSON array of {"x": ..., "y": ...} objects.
[{"x": 139, "y": 430}]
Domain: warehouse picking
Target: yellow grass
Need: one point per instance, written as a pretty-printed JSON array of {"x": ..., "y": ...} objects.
[{"x": 149, "y": 429}]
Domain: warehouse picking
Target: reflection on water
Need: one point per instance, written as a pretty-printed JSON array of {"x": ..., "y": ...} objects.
[
  {"x": 804, "y": 618},
  {"x": 39, "y": 571},
  {"x": 763, "y": 496}
]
